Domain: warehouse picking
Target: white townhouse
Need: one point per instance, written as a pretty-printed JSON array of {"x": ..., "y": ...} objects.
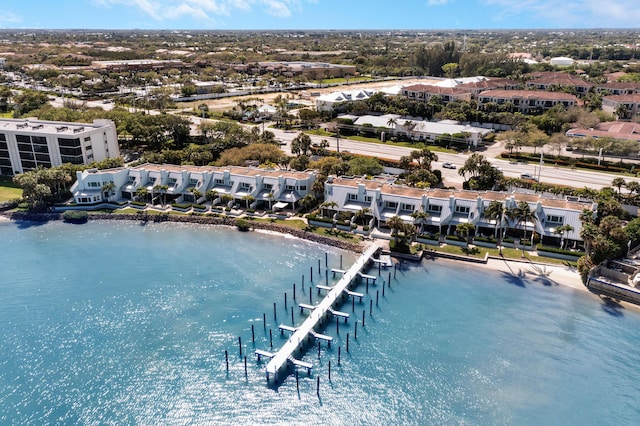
[
  {"x": 421, "y": 130},
  {"x": 328, "y": 101},
  {"x": 26, "y": 143},
  {"x": 445, "y": 209},
  {"x": 190, "y": 184}
]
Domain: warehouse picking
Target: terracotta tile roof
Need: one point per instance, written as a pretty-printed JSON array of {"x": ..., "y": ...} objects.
[
  {"x": 634, "y": 98},
  {"x": 426, "y": 88},
  {"x": 529, "y": 94}
]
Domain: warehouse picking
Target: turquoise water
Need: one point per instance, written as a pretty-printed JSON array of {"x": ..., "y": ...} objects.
[{"x": 120, "y": 323}]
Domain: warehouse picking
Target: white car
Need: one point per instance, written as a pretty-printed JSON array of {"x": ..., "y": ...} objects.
[
  {"x": 448, "y": 165},
  {"x": 527, "y": 176}
]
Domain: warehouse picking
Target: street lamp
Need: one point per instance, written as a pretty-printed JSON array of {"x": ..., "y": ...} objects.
[{"x": 338, "y": 140}]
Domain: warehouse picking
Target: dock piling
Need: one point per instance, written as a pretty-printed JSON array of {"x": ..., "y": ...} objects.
[
  {"x": 292, "y": 322},
  {"x": 245, "y": 366},
  {"x": 311, "y": 273},
  {"x": 377, "y": 295},
  {"x": 310, "y": 302},
  {"x": 226, "y": 359},
  {"x": 389, "y": 280},
  {"x": 353, "y": 304},
  {"x": 367, "y": 285},
  {"x": 329, "y": 370},
  {"x": 337, "y": 325},
  {"x": 285, "y": 301},
  {"x": 253, "y": 335},
  {"x": 275, "y": 317},
  {"x": 240, "y": 344},
  {"x": 326, "y": 260},
  {"x": 294, "y": 292},
  {"x": 370, "y": 307},
  {"x": 383, "y": 285},
  {"x": 339, "y": 350},
  {"x": 363, "y": 317},
  {"x": 318, "y": 387},
  {"x": 264, "y": 321},
  {"x": 302, "y": 283},
  {"x": 347, "y": 342},
  {"x": 297, "y": 382},
  {"x": 340, "y": 261},
  {"x": 355, "y": 331},
  {"x": 270, "y": 339}
]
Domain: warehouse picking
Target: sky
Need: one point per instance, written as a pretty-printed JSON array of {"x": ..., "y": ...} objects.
[{"x": 318, "y": 14}]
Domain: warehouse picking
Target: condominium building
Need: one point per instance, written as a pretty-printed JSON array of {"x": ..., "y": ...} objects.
[
  {"x": 527, "y": 101},
  {"x": 26, "y": 144},
  {"x": 445, "y": 209},
  {"x": 190, "y": 184}
]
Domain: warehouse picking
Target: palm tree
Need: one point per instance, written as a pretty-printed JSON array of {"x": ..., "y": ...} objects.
[
  {"x": 211, "y": 195},
  {"x": 419, "y": 217},
  {"x": 495, "y": 211},
  {"x": 196, "y": 194},
  {"x": 163, "y": 193},
  {"x": 525, "y": 215},
  {"x": 141, "y": 193},
  {"x": 588, "y": 233},
  {"x": 465, "y": 230},
  {"x": 618, "y": 182},
  {"x": 308, "y": 201},
  {"x": 271, "y": 198},
  {"x": 361, "y": 215},
  {"x": 248, "y": 199},
  {"x": 392, "y": 122},
  {"x": 327, "y": 205},
  {"x": 396, "y": 225},
  {"x": 107, "y": 189},
  {"x": 560, "y": 230}
]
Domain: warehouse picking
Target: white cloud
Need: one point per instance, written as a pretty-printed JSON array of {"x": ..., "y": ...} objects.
[
  {"x": 205, "y": 10},
  {"x": 9, "y": 17},
  {"x": 571, "y": 13}
]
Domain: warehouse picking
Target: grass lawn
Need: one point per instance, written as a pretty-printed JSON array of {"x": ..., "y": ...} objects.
[
  {"x": 342, "y": 80},
  {"x": 413, "y": 145},
  {"x": 508, "y": 253},
  {"x": 8, "y": 189},
  {"x": 7, "y": 114}
]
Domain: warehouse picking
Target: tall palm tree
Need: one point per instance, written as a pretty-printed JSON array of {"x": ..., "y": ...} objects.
[
  {"x": 525, "y": 215},
  {"x": 495, "y": 211},
  {"x": 392, "y": 122},
  {"x": 248, "y": 199},
  {"x": 618, "y": 182},
  {"x": 561, "y": 230},
  {"x": 588, "y": 233},
  {"x": 361, "y": 215}
]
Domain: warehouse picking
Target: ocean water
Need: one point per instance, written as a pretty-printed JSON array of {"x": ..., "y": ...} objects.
[{"x": 123, "y": 323}]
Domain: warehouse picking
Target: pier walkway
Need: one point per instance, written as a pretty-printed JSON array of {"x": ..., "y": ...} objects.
[{"x": 306, "y": 329}]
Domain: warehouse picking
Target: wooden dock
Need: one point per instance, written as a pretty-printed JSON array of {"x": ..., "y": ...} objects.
[
  {"x": 384, "y": 260},
  {"x": 295, "y": 343}
]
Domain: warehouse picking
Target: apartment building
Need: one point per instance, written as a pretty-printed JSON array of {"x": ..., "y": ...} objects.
[
  {"x": 166, "y": 183},
  {"x": 26, "y": 144},
  {"x": 445, "y": 209},
  {"x": 527, "y": 101}
]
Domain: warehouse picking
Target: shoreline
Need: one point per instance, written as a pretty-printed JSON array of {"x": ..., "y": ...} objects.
[{"x": 525, "y": 271}]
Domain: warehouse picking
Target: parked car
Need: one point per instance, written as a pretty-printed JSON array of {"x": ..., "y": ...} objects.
[
  {"x": 448, "y": 165},
  {"x": 528, "y": 176}
]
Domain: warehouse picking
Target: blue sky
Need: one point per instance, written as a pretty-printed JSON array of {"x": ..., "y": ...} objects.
[{"x": 319, "y": 14}]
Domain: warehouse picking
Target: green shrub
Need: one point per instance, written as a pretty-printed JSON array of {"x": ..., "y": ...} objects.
[
  {"x": 242, "y": 225},
  {"x": 181, "y": 205},
  {"x": 75, "y": 216},
  {"x": 490, "y": 240},
  {"x": 139, "y": 203},
  {"x": 559, "y": 250},
  {"x": 455, "y": 238}
]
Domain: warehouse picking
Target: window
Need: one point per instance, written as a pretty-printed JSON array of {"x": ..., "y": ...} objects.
[
  {"x": 219, "y": 181},
  {"x": 435, "y": 208},
  {"x": 245, "y": 185},
  {"x": 555, "y": 219},
  {"x": 267, "y": 186},
  {"x": 407, "y": 207},
  {"x": 391, "y": 204},
  {"x": 368, "y": 198},
  {"x": 352, "y": 197},
  {"x": 302, "y": 187},
  {"x": 290, "y": 187},
  {"x": 462, "y": 209},
  {"x": 193, "y": 181}
]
